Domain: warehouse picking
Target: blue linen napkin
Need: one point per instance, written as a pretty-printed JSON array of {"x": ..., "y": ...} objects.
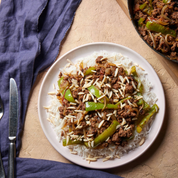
[{"x": 31, "y": 32}]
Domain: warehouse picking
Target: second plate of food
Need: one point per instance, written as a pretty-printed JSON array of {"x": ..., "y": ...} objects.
[{"x": 127, "y": 84}]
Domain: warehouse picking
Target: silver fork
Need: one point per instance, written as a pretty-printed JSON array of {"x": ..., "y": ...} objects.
[{"x": 2, "y": 173}]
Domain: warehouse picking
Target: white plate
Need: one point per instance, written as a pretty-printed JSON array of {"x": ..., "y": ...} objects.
[{"x": 84, "y": 51}]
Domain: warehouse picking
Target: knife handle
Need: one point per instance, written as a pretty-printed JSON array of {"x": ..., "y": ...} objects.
[
  {"x": 12, "y": 155},
  {"x": 2, "y": 173}
]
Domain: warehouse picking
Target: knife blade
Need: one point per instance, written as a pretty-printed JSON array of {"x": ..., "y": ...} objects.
[{"x": 13, "y": 118}]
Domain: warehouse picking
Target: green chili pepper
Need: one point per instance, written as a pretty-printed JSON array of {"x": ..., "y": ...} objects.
[
  {"x": 71, "y": 142},
  {"x": 166, "y": 1},
  {"x": 68, "y": 95},
  {"x": 89, "y": 71},
  {"x": 143, "y": 6},
  {"x": 148, "y": 115},
  {"x": 121, "y": 101},
  {"x": 153, "y": 26},
  {"x": 134, "y": 73},
  {"x": 140, "y": 102},
  {"x": 91, "y": 106},
  {"x": 107, "y": 133},
  {"x": 96, "y": 92},
  {"x": 140, "y": 21},
  {"x": 150, "y": 4},
  {"x": 60, "y": 81}
]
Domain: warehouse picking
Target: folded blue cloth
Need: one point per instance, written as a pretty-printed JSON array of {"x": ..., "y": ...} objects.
[{"x": 31, "y": 32}]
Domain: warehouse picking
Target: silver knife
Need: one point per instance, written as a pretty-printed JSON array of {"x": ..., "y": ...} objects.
[{"x": 13, "y": 118}]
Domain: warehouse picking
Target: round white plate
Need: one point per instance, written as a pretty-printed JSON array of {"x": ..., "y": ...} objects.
[{"x": 84, "y": 51}]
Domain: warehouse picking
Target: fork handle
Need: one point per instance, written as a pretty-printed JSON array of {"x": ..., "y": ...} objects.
[
  {"x": 12, "y": 155},
  {"x": 2, "y": 173}
]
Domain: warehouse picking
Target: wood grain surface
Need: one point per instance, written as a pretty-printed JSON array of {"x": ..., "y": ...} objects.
[{"x": 105, "y": 21}]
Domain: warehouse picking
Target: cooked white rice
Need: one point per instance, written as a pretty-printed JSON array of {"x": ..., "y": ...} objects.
[{"x": 107, "y": 153}]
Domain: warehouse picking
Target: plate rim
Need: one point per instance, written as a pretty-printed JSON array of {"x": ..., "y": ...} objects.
[{"x": 110, "y": 44}]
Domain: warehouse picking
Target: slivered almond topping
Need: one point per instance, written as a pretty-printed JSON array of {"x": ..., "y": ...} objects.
[
  {"x": 115, "y": 91},
  {"x": 117, "y": 156},
  {"x": 101, "y": 97},
  {"x": 117, "y": 126},
  {"x": 116, "y": 72},
  {"x": 122, "y": 105},
  {"x": 71, "y": 107},
  {"x": 103, "y": 58},
  {"x": 72, "y": 103},
  {"x": 108, "y": 118},
  {"x": 91, "y": 159},
  {"x": 81, "y": 81},
  {"x": 81, "y": 73},
  {"x": 74, "y": 152},
  {"x": 110, "y": 114},
  {"x": 81, "y": 93},
  {"x": 67, "y": 139},
  {"x": 100, "y": 124},
  {"x": 93, "y": 70},
  {"x": 103, "y": 80},
  {"x": 90, "y": 76},
  {"x": 76, "y": 101},
  {"x": 71, "y": 86},
  {"x": 115, "y": 100},
  {"x": 96, "y": 81},
  {"x": 121, "y": 78},
  {"x": 110, "y": 94},
  {"x": 127, "y": 79},
  {"x": 107, "y": 158},
  {"x": 92, "y": 143},
  {"x": 70, "y": 133},
  {"x": 133, "y": 84},
  {"x": 141, "y": 68},
  {"x": 79, "y": 111},
  {"x": 69, "y": 61},
  {"x": 142, "y": 142},
  {"x": 72, "y": 120},
  {"x": 130, "y": 103},
  {"x": 107, "y": 139},
  {"x": 123, "y": 122},
  {"x": 51, "y": 93},
  {"x": 99, "y": 114},
  {"x": 121, "y": 83},
  {"x": 117, "y": 95},
  {"x": 46, "y": 107},
  {"x": 107, "y": 84},
  {"x": 92, "y": 96},
  {"x": 134, "y": 119},
  {"x": 135, "y": 64},
  {"x": 90, "y": 135}
]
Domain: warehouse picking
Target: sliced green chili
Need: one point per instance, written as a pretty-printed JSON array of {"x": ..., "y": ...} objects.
[
  {"x": 89, "y": 71},
  {"x": 140, "y": 21},
  {"x": 96, "y": 92},
  {"x": 68, "y": 95},
  {"x": 92, "y": 106},
  {"x": 153, "y": 26},
  {"x": 71, "y": 142},
  {"x": 107, "y": 133},
  {"x": 148, "y": 115}
]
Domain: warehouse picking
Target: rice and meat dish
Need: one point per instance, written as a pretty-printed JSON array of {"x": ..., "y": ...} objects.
[
  {"x": 103, "y": 106},
  {"x": 158, "y": 24}
]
